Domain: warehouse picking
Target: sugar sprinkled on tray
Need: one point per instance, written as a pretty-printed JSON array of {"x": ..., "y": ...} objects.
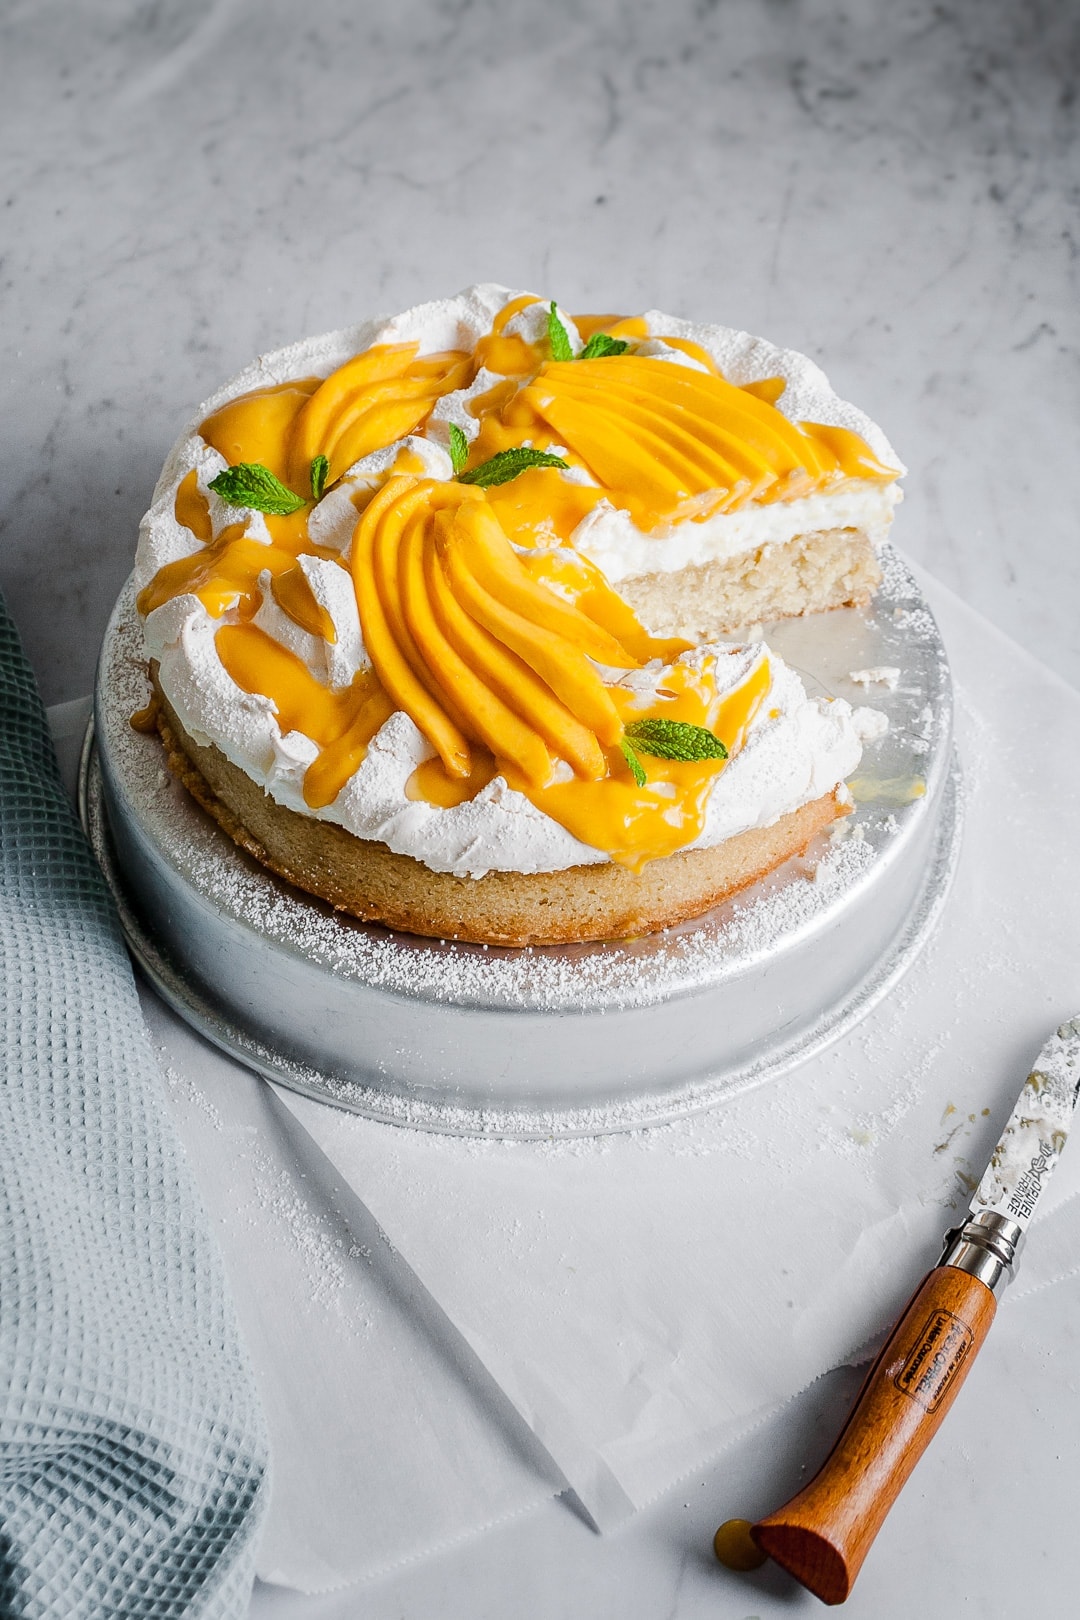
[{"x": 576, "y": 979}]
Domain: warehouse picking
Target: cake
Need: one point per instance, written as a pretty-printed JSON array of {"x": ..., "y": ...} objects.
[{"x": 434, "y": 613}]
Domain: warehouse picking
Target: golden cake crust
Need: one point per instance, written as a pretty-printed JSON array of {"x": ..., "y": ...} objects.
[{"x": 370, "y": 881}]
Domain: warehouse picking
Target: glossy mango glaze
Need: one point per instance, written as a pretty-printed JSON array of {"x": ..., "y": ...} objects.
[{"x": 504, "y": 645}]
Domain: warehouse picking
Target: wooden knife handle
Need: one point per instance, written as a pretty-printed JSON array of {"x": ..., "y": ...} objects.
[{"x": 825, "y": 1532}]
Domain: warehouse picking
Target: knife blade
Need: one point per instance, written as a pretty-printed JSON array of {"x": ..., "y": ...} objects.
[{"x": 823, "y": 1535}]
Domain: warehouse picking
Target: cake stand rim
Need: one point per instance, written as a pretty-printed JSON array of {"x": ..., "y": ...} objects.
[{"x": 524, "y": 1124}]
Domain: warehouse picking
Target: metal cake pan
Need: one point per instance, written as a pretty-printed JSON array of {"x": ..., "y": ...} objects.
[{"x": 545, "y": 1040}]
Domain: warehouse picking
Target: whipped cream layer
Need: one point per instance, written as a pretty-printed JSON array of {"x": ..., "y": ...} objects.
[
  {"x": 610, "y": 538},
  {"x": 796, "y": 750}
]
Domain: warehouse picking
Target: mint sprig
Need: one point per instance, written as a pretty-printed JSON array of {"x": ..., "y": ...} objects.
[
  {"x": 600, "y": 346},
  {"x": 507, "y": 464},
  {"x": 674, "y": 739},
  {"x": 558, "y": 337},
  {"x": 459, "y": 448},
  {"x": 252, "y": 484},
  {"x": 320, "y": 468},
  {"x": 637, "y": 770}
]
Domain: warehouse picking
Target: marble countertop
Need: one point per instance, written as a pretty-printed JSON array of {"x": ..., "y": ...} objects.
[{"x": 891, "y": 188}]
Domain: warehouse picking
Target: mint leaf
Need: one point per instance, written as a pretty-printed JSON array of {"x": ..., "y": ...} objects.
[
  {"x": 252, "y": 484},
  {"x": 637, "y": 770},
  {"x": 557, "y": 337},
  {"x": 675, "y": 739},
  {"x": 320, "y": 467},
  {"x": 600, "y": 346},
  {"x": 507, "y": 464},
  {"x": 459, "y": 448}
]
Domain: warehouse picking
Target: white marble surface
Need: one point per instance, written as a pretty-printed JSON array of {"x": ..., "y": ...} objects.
[{"x": 891, "y": 187}]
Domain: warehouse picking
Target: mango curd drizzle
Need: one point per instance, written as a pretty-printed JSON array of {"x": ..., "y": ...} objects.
[
  {"x": 502, "y": 643},
  {"x": 636, "y": 825},
  {"x": 340, "y": 723}
]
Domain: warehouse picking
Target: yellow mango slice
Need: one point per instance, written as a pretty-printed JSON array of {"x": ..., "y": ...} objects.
[
  {"x": 512, "y": 679},
  {"x": 610, "y": 452},
  {"x": 711, "y": 400},
  {"x": 256, "y": 426},
  {"x": 566, "y": 670},
  {"x": 383, "y": 629},
  {"x": 332, "y": 422},
  {"x": 715, "y": 435},
  {"x": 373, "y": 428},
  {"x": 666, "y": 436},
  {"x": 337, "y": 395},
  {"x": 492, "y": 559},
  {"x": 504, "y": 733}
]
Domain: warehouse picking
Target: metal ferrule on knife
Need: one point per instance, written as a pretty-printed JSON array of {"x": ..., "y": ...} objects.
[{"x": 986, "y": 1246}]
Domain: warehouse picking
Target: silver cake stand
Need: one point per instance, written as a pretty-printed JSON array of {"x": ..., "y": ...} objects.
[{"x": 547, "y": 1041}]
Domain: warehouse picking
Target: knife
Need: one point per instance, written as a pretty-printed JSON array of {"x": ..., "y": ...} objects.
[{"x": 824, "y": 1533}]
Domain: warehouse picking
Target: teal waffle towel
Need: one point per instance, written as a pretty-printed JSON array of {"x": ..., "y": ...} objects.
[{"x": 132, "y": 1446}]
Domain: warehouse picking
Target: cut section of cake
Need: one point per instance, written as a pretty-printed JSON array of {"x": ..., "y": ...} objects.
[{"x": 720, "y": 481}]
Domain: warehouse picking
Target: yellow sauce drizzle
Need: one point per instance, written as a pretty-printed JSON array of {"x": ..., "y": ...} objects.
[
  {"x": 506, "y": 356},
  {"x": 631, "y": 327},
  {"x": 145, "y": 720},
  {"x": 588, "y": 324},
  {"x": 430, "y": 783},
  {"x": 695, "y": 351},
  {"x": 636, "y": 825},
  {"x": 192, "y": 507},
  {"x": 888, "y": 790},
  {"x": 340, "y": 723},
  {"x": 294, "y": 596},
  {"x": 540, "y": 508},
  {"x": 502, "y": 643},
  {"x": 769, "y": 389},
  {"x": 256, "y": 426}
]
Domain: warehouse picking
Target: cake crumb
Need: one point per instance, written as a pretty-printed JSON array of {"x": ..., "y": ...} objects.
[
  {"x": 870, "y": 724},
  {"x": 880, "y": 675}
]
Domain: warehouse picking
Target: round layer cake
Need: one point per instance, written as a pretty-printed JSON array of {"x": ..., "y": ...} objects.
[{"x": 434, "y": 611}]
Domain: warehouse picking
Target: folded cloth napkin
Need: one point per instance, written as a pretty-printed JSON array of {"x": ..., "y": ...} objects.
[{"x": 132, "y": 1446}]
